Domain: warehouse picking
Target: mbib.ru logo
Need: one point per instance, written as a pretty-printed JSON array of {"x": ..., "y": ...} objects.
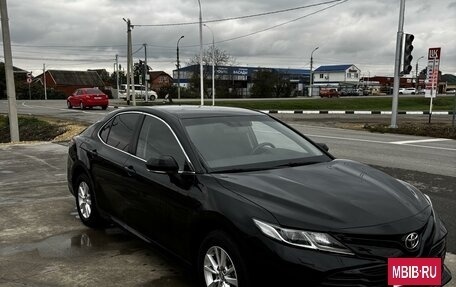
[{"x": 415, "y": 271}]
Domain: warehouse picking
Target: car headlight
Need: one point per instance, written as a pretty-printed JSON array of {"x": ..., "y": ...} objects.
[{"x": 301, "y": 238}]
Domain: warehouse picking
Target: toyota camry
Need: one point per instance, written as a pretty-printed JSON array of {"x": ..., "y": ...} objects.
[{"x": 247, "y": 200}]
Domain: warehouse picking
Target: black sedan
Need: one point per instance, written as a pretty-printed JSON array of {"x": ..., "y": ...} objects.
[{"x": 246, "y": 199}]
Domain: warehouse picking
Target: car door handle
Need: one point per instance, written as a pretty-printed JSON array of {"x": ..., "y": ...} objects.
[
  {"x": 130, "y": 170},
  {"x": 92, "y": 153}
]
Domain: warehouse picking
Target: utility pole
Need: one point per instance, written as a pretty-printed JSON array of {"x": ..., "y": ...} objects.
[
  {"x": 416, "y": 74},
  {"x": 397, "y": 66},
  {"x": 117, "y": 74},
  {"x": 146, "y": 72},
  {"x": 130, "y": 78},
  {"x": 44, "y": 82},
  {"x": 9, "y": 75},
  {"x": 311, "y": 73},
  {"x": 178, "y": 68},
  {"x": 201, "y": 53}
]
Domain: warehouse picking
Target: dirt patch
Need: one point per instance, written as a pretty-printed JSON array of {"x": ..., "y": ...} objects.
[
  {"x": 33, "y": 129},
  {"x": 440, "y": 127},
  {"x": 437, "y": 130}
]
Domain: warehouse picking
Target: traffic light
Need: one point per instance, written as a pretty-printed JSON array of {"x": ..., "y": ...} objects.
[{"x": 408, "y": 48}]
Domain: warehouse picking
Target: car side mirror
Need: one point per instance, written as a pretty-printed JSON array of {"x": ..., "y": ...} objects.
[
  {"x": 323, "y": 146},
  {"x": 164, "y": 164}
]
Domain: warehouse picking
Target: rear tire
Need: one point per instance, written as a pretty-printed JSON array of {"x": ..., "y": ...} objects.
[
  {"x": 104, "y": 107},
  {"x": 81, "y": 105},
  {"x": 86, "y": 203},
  {"x": 219, "y": 260}
]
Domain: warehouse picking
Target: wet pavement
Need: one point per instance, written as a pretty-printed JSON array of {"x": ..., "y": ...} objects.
[{"x": 43, "y": 243}]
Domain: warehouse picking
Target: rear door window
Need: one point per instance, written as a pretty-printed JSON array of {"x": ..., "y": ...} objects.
[
  {"x": 157, "y": 139},
  {"x": 122, "y": 130}
]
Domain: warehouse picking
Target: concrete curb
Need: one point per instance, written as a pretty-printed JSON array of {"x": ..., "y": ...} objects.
[{"x": 355, "y": 112}]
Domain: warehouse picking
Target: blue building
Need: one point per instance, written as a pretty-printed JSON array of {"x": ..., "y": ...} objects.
[{"x": 241, "y": 79}]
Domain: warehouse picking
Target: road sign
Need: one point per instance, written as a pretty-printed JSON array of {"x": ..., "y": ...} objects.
[
  {"x": 29, "y": 78},
  {"x": 432, "y": 80}
]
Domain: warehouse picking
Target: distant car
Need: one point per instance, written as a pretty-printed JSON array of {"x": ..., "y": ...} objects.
[
  {"x": 353, "y": 92},
  {"x": 329, "y": 93},
  {"x": 139, "y": 91},
  {"x": 450, "y": 90},
  {"x": 88, "y": 98},
  {"x": 407, "y": 91}
]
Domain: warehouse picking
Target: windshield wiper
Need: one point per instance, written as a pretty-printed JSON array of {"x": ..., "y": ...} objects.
[
  {"x": 292, "y": 164},
  {"x": 235, "y": 170}
]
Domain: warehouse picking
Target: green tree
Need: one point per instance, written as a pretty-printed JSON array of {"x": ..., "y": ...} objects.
[{"x": 270, "y": 83}]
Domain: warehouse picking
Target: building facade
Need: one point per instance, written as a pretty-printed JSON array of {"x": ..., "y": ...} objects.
[
  {"x": 240, "y": 78},
  {"x": 336, "y": 75}
]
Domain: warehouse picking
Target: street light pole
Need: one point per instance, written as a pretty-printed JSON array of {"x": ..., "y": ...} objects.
[
  {"x": 117, "y": 75},
  {"x": 201, "y": 53},
  {"x": 213, "y": 65},
  {"x": 311, "y": 73},
  {"x": 416, "y": 73},
  {"x": 178, "y": 70},
  {"x": 146, "y": 74}
]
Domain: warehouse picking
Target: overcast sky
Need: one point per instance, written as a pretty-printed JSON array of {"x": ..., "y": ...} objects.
[{"x": 87, "y": 34}]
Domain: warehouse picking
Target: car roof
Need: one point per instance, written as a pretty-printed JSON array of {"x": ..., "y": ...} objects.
[{"x": 193, "y": 111}]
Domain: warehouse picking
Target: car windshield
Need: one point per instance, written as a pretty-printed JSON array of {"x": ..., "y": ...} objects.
[
  {"x": 94, "y": 91},
  {"x": 241, "y": 143}
]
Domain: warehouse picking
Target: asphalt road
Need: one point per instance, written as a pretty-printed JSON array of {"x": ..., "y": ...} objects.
[{"x": 428, "y": 163}]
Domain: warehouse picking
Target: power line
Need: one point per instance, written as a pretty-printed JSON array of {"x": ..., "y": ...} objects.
[
  {"x": 240, "y": 17},
  {"x": 283, "y": 24}
]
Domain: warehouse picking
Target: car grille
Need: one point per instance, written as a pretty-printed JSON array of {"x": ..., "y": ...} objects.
[
  {"x": 386, "y": 246},
  {"x": 382, "y": 247},
  {"x": 374, "y": 276}
]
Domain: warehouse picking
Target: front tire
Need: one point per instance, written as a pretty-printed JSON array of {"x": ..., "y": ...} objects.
[
  {"x": 86, "y": 204},
  {"x": 69, "y": 105},
  {"x": 219, "y": 262},
  {"x": 81, "y": 105}
]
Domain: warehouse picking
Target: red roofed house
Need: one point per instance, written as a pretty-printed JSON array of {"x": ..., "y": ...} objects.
[{"x": 68, "y": 81}]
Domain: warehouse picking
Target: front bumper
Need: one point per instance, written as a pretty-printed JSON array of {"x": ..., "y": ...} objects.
[{"x": 291, "y": 266}]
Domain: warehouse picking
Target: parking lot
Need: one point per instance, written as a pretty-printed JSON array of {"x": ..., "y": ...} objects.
[{"x": 43, "y": 243}]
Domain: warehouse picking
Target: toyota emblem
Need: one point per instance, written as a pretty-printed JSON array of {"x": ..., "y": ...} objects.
[{"x": 411, "y": 241}]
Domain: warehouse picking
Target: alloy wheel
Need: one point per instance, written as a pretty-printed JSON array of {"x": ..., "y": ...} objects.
[
  {"x": 84, "y": 200},
  {"x": 219, "y": 269}
]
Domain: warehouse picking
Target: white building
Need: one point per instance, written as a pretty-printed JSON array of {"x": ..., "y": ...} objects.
[{"x": 336, "y": 75}]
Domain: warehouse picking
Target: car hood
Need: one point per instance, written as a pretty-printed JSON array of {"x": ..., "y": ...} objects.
[{"x": 331, "y": 196}]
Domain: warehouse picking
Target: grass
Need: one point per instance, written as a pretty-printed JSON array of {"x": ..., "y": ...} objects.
[
  {"x": 30, "y": 129},
  {"x": 443, "y": 103}
]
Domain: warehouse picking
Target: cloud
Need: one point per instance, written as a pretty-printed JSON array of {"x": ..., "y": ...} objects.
[{"x": 359, "y": 32}]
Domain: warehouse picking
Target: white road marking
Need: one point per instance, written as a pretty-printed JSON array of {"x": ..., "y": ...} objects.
[
  {"x": 420, "y": 141},
  {"x": 61, "y": 109},
  {"x": 380, "y": 142}
]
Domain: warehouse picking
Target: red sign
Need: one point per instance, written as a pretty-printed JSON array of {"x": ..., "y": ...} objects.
[
  {"x": 415, "y": 271},
  {"x": 434, "y": 53}
]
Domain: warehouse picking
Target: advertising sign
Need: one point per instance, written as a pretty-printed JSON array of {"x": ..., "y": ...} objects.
[{"x": 432, "y": 79}]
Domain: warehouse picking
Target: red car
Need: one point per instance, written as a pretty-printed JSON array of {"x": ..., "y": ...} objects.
[{"x": 88, "y": 97}]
